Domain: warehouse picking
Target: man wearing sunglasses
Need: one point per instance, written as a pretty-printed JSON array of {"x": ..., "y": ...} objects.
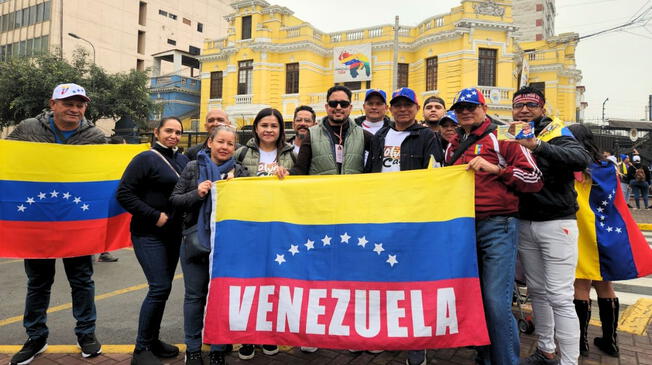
[
  {"x": 336, "y": 145},
  {"x": 502, "y": 168},
  {"x": 548, "y": 233}
]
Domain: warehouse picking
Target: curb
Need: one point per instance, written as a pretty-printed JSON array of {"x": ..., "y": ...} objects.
[{"x": 645, "y": 226}]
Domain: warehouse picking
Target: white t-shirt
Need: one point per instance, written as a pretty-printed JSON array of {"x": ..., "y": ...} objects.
[
  {"x": 296, "y": 149},
  {"x": 372, "y": 127},
  {"x": 267, "y": 163},
  {"x": 392, "y": 150}
]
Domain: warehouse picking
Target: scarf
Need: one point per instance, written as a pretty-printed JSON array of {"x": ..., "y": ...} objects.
[{"x": 208, "y": 170}]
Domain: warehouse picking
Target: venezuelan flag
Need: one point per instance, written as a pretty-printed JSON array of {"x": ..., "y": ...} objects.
[
  {"x": 611, "y": 246},
  {"x": 374, "y": 261},
  {"x": 59, "y": 200}
]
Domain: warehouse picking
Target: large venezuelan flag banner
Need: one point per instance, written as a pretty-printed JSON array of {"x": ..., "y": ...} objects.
[
  {"x": 59, "y": 200},
  {"x": 374, "y": 261},
  {"x": 611, "y": 246}
]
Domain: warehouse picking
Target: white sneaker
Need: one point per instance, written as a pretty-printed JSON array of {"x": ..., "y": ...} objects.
[{"x": 308, "y": 349}]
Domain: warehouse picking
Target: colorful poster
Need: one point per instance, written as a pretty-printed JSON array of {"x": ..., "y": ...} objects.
[
  {"x": 352, "y": 63},
  {"x": 373, "y": 261}
]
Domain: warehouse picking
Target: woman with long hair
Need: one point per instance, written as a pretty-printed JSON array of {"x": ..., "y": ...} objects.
[
  {"x": 267, "y": 150},
  {"x": 192, "y": 196},
  {"x": 144, "y": 191},
  {"x": 607, "y": 301}
]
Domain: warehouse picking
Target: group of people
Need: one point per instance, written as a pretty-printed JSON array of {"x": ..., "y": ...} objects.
[{"x": 524, "y": 199}]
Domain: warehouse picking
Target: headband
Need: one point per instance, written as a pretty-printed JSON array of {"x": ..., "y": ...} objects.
[{"x": 527, "y": 98}]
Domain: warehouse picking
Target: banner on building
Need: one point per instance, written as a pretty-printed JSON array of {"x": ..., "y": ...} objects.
[
  {"x": 373, "y": 261},
  {"x": 352, "y": 63},
  {"x": 59, "y": 200}
]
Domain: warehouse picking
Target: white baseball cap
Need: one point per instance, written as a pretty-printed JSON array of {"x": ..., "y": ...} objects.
[{"x": 64, "y": 91}]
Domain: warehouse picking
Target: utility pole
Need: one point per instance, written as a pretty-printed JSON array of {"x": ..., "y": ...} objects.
[
  {"x": 395, "y": 67},
  {"x": 603, "y": 103}
]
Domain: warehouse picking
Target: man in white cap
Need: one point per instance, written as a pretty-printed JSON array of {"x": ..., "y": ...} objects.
[{"x": 65, "y": 124}]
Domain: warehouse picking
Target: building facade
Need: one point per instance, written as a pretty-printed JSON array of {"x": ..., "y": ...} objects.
[
  {"x": 270, "y": 58},
  {"x": 124, "y": 33},
  {"x": 535, "y": 19}
]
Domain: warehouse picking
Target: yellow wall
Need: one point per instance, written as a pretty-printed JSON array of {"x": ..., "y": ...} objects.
[{"x": 279, "y": 38}]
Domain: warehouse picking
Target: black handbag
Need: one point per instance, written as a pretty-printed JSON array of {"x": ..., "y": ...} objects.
[{"x": 194, "y": 248}]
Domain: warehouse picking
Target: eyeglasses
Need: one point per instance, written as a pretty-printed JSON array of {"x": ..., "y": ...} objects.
[
  {"x": 342, "y": 103},
  {"x": 459, "y": 108},
  {"x": 530, "y": 105}
]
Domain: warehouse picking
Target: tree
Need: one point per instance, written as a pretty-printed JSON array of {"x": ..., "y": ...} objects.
[{"x": 26, "y": 85}]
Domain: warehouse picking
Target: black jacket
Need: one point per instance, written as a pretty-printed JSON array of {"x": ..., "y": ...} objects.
[
  {"x": 557, "y": 159},
  {"x": 631, "y": 172},
  {"x": 192, "y": 152},
  {"x": 145, "y": 190},
  {"x": 416, "y": 149},
  {"x": 185, "y": 198}
]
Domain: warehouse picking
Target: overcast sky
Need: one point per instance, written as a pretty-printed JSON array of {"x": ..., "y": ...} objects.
[{"x": 614, "y": 65}]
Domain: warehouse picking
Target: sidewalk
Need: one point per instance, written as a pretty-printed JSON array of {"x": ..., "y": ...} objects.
[{"x": 634, "y": 350}]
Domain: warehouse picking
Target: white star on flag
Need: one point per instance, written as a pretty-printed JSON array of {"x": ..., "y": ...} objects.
[
  {"x": 619, "y": 230},
  {"x": 609, "y": 229},
  {"x": 310, "y": 245},
  {"x": 610, "y": 196},
  {"x": 601, "y": 217},
  {"x": 604, "y": 202},
  {"x": 326, "y": 240},
  {"x": 601, "y": 224},
  {"x": 600, "y": 209},
  {"x": 345, "y": 237},
  {"x": 84, "y": 207},
  {"x": 30, "y": 201},
  {"x": 41, "y": 195},
  {"x": 613, "y": 191},
  {"x": 392, "y": 260},
  {"x": 21, "y": 208},
  {"x": 362, "y": 241},
  {"x": 378, "y": 248},
  {"x": 294, "y": 249},
  {"x": 77, "y": 200},
  {"x": 54, "y": 194},
  {"x": 474, "y": 93},
  {"x": 66, "y": 195},
  {"x": 280, "y": 259}
]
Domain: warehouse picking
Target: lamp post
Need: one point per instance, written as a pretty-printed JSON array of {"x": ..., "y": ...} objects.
[
  {"x": 85, "y": 40},
  {"x": 603, "y": 103}
]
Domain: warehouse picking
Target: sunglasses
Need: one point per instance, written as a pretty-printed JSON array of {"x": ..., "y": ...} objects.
[
  {"x": 468, "y": 107},
  {"x": 530, "y": 105},
  {"x": 342, "y": 103}
]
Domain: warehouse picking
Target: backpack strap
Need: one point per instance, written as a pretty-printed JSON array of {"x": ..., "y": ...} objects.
[
  {"x": 241, "y": 155},
  {"x": 467, "y": 143}
]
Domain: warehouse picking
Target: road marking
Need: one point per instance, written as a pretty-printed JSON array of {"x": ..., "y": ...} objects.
[
  {"x": 636, "y": 318},
  {"x": 58, "y": 308},
  {"x": 645, "y": 226}
]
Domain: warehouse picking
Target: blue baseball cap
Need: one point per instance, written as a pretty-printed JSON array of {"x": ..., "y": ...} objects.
[
  {"x": 469, "y": 95},
  {"x": 450, "y": 115},
  {"x": 623, "y": 156},
  {"x": 404, "y": 92},
  {"x": 378, "y": 92}
]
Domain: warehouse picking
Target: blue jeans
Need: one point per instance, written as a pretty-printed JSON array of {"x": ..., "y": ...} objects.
[
  {"x": 40, "y": 276},
  {"x": 158, "y": 256},
  {"x": 497, "y": 246},
  {"x": 640, "y": 188},
  {"x": 195, "y": 280}
]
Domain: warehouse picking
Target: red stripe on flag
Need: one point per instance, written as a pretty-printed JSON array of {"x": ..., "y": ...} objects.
[
  {"x": 407, "y": 316},
  {"x": 641, "y": 251},
  {"x": 41, "y": 240}
]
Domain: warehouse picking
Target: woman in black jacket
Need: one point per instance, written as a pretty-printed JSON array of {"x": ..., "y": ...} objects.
[
  {"x": 144, "y": 191},
  {"x": 192, "y": 196}
]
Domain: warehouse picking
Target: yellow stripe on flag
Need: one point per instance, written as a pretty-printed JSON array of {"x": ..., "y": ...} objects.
[
  {"x": 362, "y": 198},
  {"x": 51, "y": 162},
  {"x": 588, "y": 265}
]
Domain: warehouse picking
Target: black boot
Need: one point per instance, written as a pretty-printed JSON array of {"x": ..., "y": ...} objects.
[
  {"x": 583, "y": 309},
  {"x": 609, "y": 317}
]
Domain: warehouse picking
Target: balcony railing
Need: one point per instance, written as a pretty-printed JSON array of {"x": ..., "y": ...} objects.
[
  {"x": 495, "y": 95},
  {"x": 244, "y": 99}
]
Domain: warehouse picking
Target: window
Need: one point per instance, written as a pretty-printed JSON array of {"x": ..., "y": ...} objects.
[
  {"x": 172, "y": 16},
  {"x": 246, "y": 27},
  {"x": 37, "y": 45},
  {"x": 46, "y": 10},
  {"x": 187, "y": 21},
  {"x": 162, "y": 12},
  {"x": 194, "y": 50},
  {"x": 216, "y": 85},
  {"x": 245, "y": 71},
  {"x": 353, "y": 85},
  {"x": 39, "y": 12},
  {"x": 292, "y": 78},
  {"x": 487, "y": 67},
  {"x": 403, "y": 70},
  {"x": 141, "y": 42},
  {"x": 45, "y": 43},
  {"x": 32, "y": 14},
  {"x": 142, "y": 13},
  {"x": 431, "y": 73},
  {"x": 18, "y": 16},
  {"x": 25, "y": 17},
  {"x": 200, "y": 27},
  {"x": 140, "y": 65},
  {"x": 172, "y": 42}
]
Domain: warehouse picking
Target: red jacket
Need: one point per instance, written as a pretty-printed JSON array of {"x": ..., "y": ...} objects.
[{"x": 496, "y": 194}]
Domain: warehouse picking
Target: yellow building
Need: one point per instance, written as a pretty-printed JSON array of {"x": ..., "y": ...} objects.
[{"x": 270, "y": 58}]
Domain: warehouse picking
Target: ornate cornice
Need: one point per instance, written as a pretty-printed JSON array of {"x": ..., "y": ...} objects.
[
  {"x": 239, "y": 4},
  {"x": 489, "y": 7},
  {"x": 174, "y": 89},
  {"x": 484, "y": 24}
]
